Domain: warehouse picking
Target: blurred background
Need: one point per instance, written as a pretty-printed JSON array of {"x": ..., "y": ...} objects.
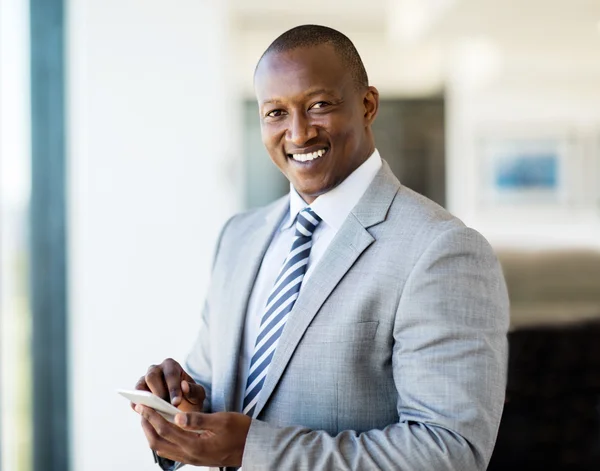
[{"x": 129, "y": 133}]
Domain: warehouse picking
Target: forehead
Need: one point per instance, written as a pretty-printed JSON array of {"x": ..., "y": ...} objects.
[{"x": 290, "y": 74}]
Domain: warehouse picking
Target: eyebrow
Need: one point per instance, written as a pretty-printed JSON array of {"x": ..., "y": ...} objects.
[
  {"x": 311, "y": 93},
  {"x": 321, "y": 91}
]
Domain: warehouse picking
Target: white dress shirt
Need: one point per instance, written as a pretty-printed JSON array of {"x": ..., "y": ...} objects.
[{"x": 333, "y": 208}]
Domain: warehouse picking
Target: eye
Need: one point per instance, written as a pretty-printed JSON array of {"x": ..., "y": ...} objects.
[
  {"x": 274, "y": 114},
  {"x": 319, "y": 105}
]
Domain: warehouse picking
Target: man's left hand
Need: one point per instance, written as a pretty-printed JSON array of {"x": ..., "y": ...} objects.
[{"x": 221, "y": 443}]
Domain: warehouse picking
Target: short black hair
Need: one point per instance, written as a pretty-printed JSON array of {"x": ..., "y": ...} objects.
[{"x": 315, "y": 35}]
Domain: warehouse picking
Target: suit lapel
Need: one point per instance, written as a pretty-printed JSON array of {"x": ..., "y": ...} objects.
[
  {"x": 349, "y": 243},
  {"x": 251, "y": 253}
]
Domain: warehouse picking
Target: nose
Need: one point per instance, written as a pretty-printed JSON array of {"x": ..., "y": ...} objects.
[{"x": 301, "y": 130}]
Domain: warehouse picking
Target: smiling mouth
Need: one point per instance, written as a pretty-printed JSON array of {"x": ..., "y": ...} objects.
[{"x": 309, "y": 156}]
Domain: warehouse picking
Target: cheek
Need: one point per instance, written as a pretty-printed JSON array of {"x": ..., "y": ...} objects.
[
  {"x": 342, "y": 130},
  {"x": 269, "y": 140},
  {"x": 265, "y": 135},
  {"x": 346, "y": 140},
  {"x": 271, "y": 135},
  {"x": 272, "y": 144}
]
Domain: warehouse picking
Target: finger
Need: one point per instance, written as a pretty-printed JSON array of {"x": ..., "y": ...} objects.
[
  {"x": 155, "y": 381},
  {"x": 187, "y": 377},
  {"x": 163, "y": 427},
  {"x": 140, "y": 386},
  {"x": 199, "y": 421},
  {"x": 173, "y": 372},
  {"x": 193, "y": 393},
  {"x": 161, "y": 446}
]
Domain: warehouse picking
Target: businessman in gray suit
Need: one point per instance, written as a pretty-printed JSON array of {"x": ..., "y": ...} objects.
[{"x": 352, "y": 324}]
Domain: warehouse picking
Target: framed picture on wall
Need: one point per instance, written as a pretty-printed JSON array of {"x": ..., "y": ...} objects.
[{"x": 528, "y": 169}]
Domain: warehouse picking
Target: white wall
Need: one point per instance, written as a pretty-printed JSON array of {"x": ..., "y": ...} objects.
[
  {"x": 493, "y": 91},
  {"x": 395, "y": 71},
  {"x": 153, "y": 136}
]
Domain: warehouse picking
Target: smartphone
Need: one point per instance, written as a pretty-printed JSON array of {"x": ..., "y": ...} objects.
[{"x": 145, "y": 398}]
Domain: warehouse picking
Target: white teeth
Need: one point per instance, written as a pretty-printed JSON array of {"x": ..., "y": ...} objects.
[{"x": 307, "y": 157}]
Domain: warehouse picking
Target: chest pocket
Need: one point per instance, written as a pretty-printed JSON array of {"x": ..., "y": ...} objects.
[{"x": 337, "y": 333}]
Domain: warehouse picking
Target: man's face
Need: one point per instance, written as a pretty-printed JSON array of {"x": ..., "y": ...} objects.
[{"x": 314, "y": 119}]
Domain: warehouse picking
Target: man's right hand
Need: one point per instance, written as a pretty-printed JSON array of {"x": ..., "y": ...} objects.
[{"x": 170, "y": 382}]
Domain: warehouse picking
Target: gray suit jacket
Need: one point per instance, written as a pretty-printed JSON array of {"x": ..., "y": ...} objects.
[{"x": 394, "y": 356}]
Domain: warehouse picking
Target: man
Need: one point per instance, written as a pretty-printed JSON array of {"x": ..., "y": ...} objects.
[{"x": 380, "y": 344}]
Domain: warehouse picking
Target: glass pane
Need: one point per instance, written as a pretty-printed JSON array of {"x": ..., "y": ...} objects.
[{"x": 15, "y": 318}]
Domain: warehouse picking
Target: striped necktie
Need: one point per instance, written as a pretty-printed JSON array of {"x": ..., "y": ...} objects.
[{"x": 279, "y": 304}]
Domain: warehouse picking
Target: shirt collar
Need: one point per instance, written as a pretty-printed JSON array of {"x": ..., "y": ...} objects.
[{"x": 334, "y": 206}]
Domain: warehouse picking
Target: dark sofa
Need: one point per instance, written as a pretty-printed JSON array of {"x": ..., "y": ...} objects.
[{"x": 551, "y": 419}]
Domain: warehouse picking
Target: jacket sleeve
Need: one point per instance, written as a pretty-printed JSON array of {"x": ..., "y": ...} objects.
[
  {"x": 449, "y": 362},
  {"x": 198, "y": 362}
]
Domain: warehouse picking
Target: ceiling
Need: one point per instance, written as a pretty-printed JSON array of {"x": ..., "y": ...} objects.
[
  {"x": 548, "y": 21},
  {"x": 561, "y": 33}
]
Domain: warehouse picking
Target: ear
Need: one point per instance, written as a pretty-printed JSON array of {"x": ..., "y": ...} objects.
[{"x": 371, "y": 104}]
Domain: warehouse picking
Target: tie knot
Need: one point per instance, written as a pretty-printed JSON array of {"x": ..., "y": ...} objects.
[{"x": 306, "y": 223}]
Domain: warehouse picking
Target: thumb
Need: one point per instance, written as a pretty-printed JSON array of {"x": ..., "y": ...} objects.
[{"x": 193, "y": 393}]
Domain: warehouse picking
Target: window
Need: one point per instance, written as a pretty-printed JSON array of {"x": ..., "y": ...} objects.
[
  {"x": 15, "y": 308},
  {"x": 33, "y": 333}
]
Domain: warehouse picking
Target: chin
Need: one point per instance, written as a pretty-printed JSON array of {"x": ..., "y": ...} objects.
[{"x": 312, "y": 192}]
